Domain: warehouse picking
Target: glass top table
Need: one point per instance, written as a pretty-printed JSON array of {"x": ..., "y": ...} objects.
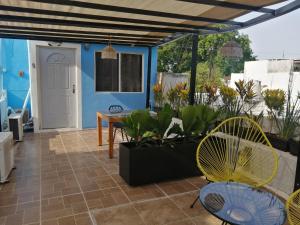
[{"x": 240, "y": 204}]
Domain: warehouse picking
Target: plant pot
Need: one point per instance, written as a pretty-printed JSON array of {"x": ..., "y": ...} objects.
[
  {"x": 278, "y": 142},
  {"x": 294, "y": 147},
  {"x": 144, "y": 165}
]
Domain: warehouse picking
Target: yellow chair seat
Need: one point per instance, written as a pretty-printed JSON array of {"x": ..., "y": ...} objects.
[{"x": 238, "y": 150}]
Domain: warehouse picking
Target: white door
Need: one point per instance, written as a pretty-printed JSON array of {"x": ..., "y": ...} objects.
[{"x": 58, "y": 87}]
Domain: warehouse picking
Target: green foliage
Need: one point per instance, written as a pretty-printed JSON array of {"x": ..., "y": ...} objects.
[
  {"x": 161, "y": 122},
  {"x": 178, "y": 95},
  {"x": 203, "y": 79},
  {"x": 274, "y": 99},
  {"x": 196, "y": 120},
  {"x": 245, "y": 90},
  {"x": 289, "y": 122},
  {"x": 137, "y": 124},
  {"x": 158, "y": 91},
  {"x": 228, "y": 95},
  {"x": 176, "y": 56}
]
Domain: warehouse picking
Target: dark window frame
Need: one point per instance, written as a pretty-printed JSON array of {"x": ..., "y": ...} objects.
[{"x": 119, "y": 74}]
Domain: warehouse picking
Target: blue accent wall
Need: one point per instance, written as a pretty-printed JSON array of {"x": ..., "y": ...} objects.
[
  {"x": 93, "y": 101},
  {"x": 14, "y": 57}
]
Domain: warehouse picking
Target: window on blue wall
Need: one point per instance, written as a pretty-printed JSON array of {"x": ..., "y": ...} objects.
[
  {"x": 107, "y": 73},
  {"x": 122, "y": 75}
]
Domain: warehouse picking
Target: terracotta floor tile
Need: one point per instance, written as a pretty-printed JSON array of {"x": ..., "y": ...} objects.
[
  {"x": 58, "y": 166},
  {"x": 67, "y": 221},
  {"x": 83, "y": 219},
  {"x": 177, "y": 187},
  {"x": 142, "y": 193},
  {"x": 184, "y": 201},
  {"x": 182, "y": 222},
  {"x": 16, "y": 219},
  {"x": 7, "y": 210},
  {"x": 76, "y": 202},
  {"x": 159, "y": 212},
  {"x": 118, "y": 216},
  {"x": 206, "y": 219},
  {"x": 105, "y": 198},
  {"x": 50, "y": 222},
  {"x": 199, "y": 182}
]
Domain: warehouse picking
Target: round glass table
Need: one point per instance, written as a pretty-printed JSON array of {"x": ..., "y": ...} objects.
[{"x": 241, "y": 204}]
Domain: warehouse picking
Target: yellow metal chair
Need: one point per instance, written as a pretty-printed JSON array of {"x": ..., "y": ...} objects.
[
  {"x": 293, "y": 208},
  {"x": 238, "y": 150}
]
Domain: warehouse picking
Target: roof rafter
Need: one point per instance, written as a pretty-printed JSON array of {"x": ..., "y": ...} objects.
[
  {"x": 99, "y": 17},
  {"x": 83, "y": 37},
  {"x": 144, "y": 12},
  {"x": 231, "y": 5},
  {"x": 67, "y": 39},
  {"x": 51, "y": 21},
  {"x": 97, "y": 33}
]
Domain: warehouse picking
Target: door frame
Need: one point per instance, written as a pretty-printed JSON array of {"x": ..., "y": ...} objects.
[{"x": 35, "y": 84}]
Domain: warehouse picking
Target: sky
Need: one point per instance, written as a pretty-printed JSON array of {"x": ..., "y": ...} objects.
[{"x": 277, "y": 38}]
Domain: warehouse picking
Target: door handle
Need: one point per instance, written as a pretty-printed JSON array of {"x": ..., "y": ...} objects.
[{"x": 73, "y": 89}]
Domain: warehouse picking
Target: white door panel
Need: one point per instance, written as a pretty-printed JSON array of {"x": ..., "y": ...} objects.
[{"x": 57, "y": 73}]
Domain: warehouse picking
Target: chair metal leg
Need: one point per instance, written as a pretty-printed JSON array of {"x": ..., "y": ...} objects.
[
  {"x": 192, "y": 205},
  {"x": 114, "y": 134},
  {"x": 122, "y": 133}
]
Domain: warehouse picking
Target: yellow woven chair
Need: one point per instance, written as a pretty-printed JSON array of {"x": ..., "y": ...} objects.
[
  {"x": 293, "y": 208},
  {"x": 238, "y": 150}
]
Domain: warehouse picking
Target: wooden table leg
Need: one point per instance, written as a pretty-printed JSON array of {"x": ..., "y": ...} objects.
[
  {"x": 111, "y": 140},
  {"x": 99, "y": 125}
]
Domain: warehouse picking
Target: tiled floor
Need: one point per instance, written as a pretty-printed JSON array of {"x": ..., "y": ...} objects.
[{"x": 66, "y": 179}]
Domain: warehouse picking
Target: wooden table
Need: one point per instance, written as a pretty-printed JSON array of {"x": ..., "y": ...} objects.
[{"x": 110, "y": 118}]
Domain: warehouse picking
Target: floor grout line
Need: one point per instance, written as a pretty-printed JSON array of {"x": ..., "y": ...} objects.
[{"x": 77, "y": 181}]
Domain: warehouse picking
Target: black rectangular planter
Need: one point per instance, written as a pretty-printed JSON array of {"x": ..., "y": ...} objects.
[
  {"x": 277, "y": 142},
  {"x": 145, "y": 165},
  {"x": 294, "y": 147}
]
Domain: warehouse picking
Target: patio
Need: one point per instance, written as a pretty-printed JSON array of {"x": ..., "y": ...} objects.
[{"x": 65, "y": 178}]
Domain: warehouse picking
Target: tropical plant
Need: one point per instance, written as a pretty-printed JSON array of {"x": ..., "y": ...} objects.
[
  {"x": 228, "y": 95},
  {"x": 158, "y": 92},
  {"x": 211, "y": 91},
  {"x": 274, "y": 100},
  {"x": 257, "y": 118},
  {"x": 245, "y": 90},
  {"x": 161, "y": 122},
  {"x": 137, "y": 124},
  {"x": 196, "y": 120},
  {"x": 178, "y": 95},
  {"x": 289, "y": 122}
]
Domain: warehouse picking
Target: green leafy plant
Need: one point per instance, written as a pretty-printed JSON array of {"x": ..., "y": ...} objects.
[
  {"x": 161, "y": 122},
  {"x": 245, "y": 90},
  {"x": 274, "y": 100},
  {"x": 211, "y": 91},
  {"x": 196, "y": 120},
  {"x": 289, "y": 122},
  {"x": 228, "y": 95},
  {"x": 158, "y": 92},
  {"x": 137, "y": 124},
  {"x": 178, "y": 95},
  {"x": 257, "y": 118}
]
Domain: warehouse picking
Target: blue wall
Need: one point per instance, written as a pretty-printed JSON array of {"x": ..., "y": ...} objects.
[
  {"x": 14, "y": 59},
  {"x": 93, "y": 101}
]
